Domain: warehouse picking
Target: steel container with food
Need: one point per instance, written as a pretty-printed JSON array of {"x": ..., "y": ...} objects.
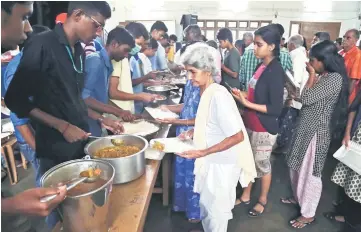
[
  {"x": 164, "y": 90},
  {"x": 87, "y": 209},
  {"x": 127, "y": 168}
]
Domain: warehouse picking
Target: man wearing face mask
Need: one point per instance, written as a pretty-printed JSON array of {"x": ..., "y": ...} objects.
[
  {"x": 98, "y": 69},
  {"x": 120, "y": 85},
  {"x": 137, "y": 72}
]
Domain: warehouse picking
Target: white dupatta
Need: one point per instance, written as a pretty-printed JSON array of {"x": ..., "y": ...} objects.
[{"x": 245, "y": 158}]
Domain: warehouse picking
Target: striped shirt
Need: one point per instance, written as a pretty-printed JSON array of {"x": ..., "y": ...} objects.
[{"x": 249, "y": 63}]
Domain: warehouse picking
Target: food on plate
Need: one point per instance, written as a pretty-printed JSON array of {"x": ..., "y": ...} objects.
[
  {"x": 141, "y": 128},
  {"x": 116, "y": 151},
  {"x": 91, "y": 172},
  {"x": 158, "y": 146}
]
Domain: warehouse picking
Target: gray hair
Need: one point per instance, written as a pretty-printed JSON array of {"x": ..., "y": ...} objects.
[
  {"x": 200, "y": 56},
  {"x": 248, "y": 35},
  {"x": 296, "y": 40},
  {"x": 193, "y": 32}
]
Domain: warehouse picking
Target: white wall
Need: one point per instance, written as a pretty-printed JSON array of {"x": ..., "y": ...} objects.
[{"x": 346, "y": 12}]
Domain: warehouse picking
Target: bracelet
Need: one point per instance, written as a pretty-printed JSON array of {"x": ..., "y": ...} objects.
[
  {"x": 101, "y": 119},
  {"x": 67, "y": 126}
]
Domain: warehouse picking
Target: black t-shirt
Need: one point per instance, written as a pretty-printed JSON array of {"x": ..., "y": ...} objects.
[{"x": 47, "y": 73}]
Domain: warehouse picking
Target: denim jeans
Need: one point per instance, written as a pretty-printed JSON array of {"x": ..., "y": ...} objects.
[
  {"x": 30, "y": 156},
  {"x": 44, "y": 166}
]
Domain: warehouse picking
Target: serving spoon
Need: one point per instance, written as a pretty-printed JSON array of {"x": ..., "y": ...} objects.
[{"x": 83, "y": 178}]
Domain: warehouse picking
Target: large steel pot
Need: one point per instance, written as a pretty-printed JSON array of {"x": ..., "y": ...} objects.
[
  {"x": 87, "y": 212},
  {"x": 126, "y": 168}
]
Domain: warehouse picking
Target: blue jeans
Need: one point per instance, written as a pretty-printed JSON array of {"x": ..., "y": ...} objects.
[
  {"x": 44, "y": 166},
  {"x": 30, "y": 156}
]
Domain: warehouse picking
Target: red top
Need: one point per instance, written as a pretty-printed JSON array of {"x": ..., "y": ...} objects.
[{"x": 250, "y": 117}]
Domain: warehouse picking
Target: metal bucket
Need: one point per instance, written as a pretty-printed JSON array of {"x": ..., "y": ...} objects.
[{"x": 87, "y": 212}]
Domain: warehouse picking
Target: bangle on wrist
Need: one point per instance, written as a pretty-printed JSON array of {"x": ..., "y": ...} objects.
[{"x": 67, "y": 126}]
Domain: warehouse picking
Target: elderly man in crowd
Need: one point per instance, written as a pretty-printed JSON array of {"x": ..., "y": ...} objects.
[
  {"x": 352, "y": 57},
  {"x": 248, "y": 40},
  {"x": 290, "y": 113},
  {"x": 320, "y": 36},
  {"x": 249, "y": 60}
]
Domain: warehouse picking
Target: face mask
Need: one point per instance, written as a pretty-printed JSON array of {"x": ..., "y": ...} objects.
[{"x": 135, "y": 50}]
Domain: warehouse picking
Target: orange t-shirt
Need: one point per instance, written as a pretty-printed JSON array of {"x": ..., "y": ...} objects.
[{"x": 353, "y": 68}]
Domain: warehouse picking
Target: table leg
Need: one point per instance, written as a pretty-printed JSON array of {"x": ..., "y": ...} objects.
[
  {"x": 8, "y": 168},
  {"x": 165, "y": 179},
  {"x": 23, "y": 160},
  {"x": 10, "y": 153}
]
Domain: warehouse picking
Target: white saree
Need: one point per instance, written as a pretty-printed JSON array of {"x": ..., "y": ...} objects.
[{"x": 216, "y": 175}]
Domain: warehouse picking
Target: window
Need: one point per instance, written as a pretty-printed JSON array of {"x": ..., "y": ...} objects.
[
  {"x": 232, "y": 24},
  {"x": 238, "y": 28},
  {"x": 243, "y": 24},
  {"x": 149, "y": 23},
  {"x": 254, "y": 25},
  {"x": 263, "y": 24},
  {"x": 221, "y": 24},
  {"x": 210, "y": 24}
]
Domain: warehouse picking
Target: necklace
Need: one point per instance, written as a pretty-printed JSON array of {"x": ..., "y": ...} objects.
[{"x": 72, "y": 60}]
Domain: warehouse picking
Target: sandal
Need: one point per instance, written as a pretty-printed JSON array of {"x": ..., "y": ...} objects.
[
  {"x": 288, "y": 201},
  {"x": 337, "y": 203},
  {"x": 255, "y": 213},
  {"x": 332, "y": 217},
  {"x": 304, "y": 224},
  {"x": 194, "y": 221},
  {"x": 240, "y": 202}
]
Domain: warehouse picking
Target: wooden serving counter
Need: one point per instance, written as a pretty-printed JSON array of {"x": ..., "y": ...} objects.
[{"x": 129, "y": 202}]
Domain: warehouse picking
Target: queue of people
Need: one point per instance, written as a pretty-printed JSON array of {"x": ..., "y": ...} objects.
[{"x": 260, "y": 98}]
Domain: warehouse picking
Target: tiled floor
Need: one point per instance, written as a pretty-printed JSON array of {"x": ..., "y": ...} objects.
[{"x": 161, "y": 219}]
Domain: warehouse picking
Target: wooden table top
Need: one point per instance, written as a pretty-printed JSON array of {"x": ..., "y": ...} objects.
[{"x": 129, "y": 202}]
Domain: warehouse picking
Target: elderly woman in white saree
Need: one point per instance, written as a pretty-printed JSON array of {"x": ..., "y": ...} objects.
[{"x": 223, "y": 153}]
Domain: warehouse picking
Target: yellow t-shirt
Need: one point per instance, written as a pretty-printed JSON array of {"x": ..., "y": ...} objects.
[
  {"x": 171, "y": 54},
  {"x": 122, "y": 70}
]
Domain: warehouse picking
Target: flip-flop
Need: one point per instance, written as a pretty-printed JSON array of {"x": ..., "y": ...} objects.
[
  {"x": 288, "y": 201},
  {"x": 254, "y": 213},
  {"x": 332, "y": 216},
  {"x": 194, "y": 221},
  {"x": 305, "y": 224},
  {"x": 240, "y": 202}
]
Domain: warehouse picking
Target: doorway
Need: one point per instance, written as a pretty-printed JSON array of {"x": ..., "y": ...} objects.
[{"x": 308, "y": 29}]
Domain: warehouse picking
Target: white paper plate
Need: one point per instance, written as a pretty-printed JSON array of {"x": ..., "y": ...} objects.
[
  {"x": 161, "y": 114},
  {"x": 174, "y": 145},
  {"x": 154, "y": 154},
  {"x": 350, "y": 157}
]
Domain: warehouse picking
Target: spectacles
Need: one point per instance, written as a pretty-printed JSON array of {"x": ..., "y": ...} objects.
[{"x": 98, "y": 25}]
